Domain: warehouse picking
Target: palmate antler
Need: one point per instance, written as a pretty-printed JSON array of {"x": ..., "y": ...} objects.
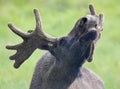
[
  {"x": 38, "y": 39},
  {"x": 31, "y": 41}
]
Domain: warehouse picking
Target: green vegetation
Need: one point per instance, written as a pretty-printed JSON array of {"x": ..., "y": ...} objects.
[{"x": 58, "y": 17}]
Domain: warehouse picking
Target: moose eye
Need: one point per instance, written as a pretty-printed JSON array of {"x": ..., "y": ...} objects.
[
  {"x": 83, "y": 21},
  {"x": 95, "y": 25},
  {"x": 62, "y": 42}
]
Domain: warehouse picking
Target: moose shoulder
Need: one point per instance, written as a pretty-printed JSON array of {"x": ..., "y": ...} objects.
[
  {"x": 85, "y": 79},
  {"x": 61, "y": 67}
]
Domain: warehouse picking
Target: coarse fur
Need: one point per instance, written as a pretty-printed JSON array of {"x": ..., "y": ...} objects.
[
  {"x": 85, "y": 78},
  {"x": 61, "y": 67}
]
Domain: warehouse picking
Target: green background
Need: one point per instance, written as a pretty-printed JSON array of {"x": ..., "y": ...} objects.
[{"x": 58, "y": 18}]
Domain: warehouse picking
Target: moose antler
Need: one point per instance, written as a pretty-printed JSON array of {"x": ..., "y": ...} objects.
[{"x": 28, "y": 46}]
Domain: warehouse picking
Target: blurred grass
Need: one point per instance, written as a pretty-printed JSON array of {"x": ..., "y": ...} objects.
[{"x": 58, "y": 18}]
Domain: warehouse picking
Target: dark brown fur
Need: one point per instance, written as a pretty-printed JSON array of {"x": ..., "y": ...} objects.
[{"x": 61, "y": 67}]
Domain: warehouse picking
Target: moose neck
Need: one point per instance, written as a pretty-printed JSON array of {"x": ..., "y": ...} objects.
[
  {"x": 73, "y": 59},
  {"x": 64, "y": 71}
]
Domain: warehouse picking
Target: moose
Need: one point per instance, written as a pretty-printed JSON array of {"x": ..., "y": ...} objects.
[{"x": 61, "y": 66}]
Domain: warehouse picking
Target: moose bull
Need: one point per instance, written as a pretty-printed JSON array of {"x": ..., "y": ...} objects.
[{"x": 61, "y": 67}]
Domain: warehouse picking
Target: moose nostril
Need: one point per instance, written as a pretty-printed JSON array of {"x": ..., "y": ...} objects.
[{"x": 91, "y": 35}]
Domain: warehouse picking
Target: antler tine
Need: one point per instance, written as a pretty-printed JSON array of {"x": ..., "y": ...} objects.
[
  {"x": 38, "y": 21},
  {"x": 92, "y": 10},
  {"x": 14, "y": 47},
  {"x": 39, "y": 29},
  {"x": 17, "y": 31}
]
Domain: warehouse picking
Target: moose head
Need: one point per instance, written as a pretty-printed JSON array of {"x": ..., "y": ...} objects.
[{"x": 77, "y": 45}]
